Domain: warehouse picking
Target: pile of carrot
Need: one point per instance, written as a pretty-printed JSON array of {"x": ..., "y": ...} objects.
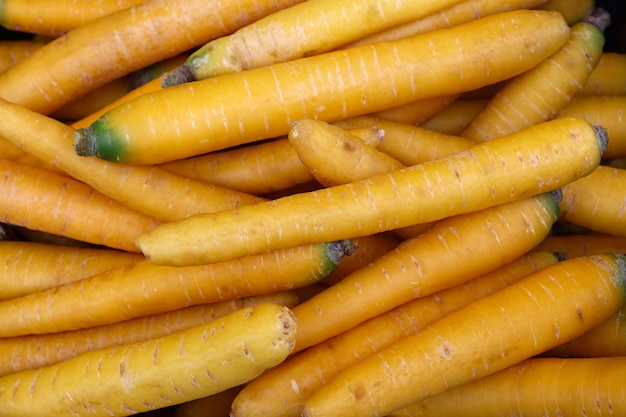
[{"x": 312, "y": 208}]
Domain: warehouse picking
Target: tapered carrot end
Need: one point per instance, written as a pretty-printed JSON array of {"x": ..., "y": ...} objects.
[
  {"x": 84, "y": 142},
  {"x": 180, "y": 75}
]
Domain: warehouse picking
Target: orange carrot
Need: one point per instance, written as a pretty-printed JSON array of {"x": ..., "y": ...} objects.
[
  {"x": 534, "y": 387},
  {"x": 150, "y": 190},
  {"x": 126, "y": 40},
  {"x": 41, "y": 200},
  {"x": 302, "y": 375},
  {"x": 598, "y": 201},
  {"x": 28, "y": 267},
  {"x": 542, "y": 310},
  {"x": 261, "y": 103},
  {"x": 141, "y": 289},
  {"x": 581, "y": 245},
  {"x": 538, "y": 159},
  {"x": 35, "y": 351},
  {"x": 431, "y": 262},
  {"x": 160, "y": 372}
]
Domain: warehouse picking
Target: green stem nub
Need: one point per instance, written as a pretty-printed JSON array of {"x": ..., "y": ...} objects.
[
  {"x": 180, "y": 75},
  {"x": 84, "y": 142}
]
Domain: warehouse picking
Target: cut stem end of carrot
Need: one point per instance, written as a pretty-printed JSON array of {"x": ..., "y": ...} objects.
[
  {"x": 338, "y": 249},
  {"x": 603, "y": 137},
  {"x": 84, "y": 142}
]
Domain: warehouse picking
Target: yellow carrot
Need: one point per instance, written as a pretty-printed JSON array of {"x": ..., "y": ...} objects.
[
  {"x": 41, "y": 200},
  {"x": 141, "y": 289},
  {"x": 454, "y": 118},
  {"x": 542, "y": 92},
  {"x": 35, "y": 351},
  {"x": 303, "y": 374},
  {"x": 261, "y": 103},
  {"x": 126, "y": 40},
  {"x": 11, "y": 52},
  {"x": 609, "y": 76},
  {"x": 592, "y": 387},
  {"x": 418, "y": 111},
  {"x": 538, "y": 159},
  {"x": 150, "y": 190},
  {"x": 436, "y": 260},
  {"x": 544, "y": 309},
  {"x": 304, "y": 29},
  {"x": 573, "y": 11},
  {"x": 161, "y": 372},
  {"x": 581, "y": 245},
  {"x": 598, "y": 201},
  {"x": 29, "y": 267}
]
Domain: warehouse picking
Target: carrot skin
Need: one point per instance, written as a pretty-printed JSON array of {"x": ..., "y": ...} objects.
[
  {"x": 158, "y": 373},
  {"x": 519, "y": 166},
  {"x": 547, "y": 308},
  {"x": 263, "y": 102}
]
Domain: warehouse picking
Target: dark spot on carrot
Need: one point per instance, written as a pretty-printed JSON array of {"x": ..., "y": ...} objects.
[
  {"x": 359, "y": 392},
  {"x": 349, "y": 146},
  {"x": 580, "y": 314},
  {"x": 122, "y": 369}
]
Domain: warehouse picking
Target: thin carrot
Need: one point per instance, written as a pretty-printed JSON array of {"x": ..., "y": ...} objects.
[
  {"x": 54, "y": 19},
  {"x": 407, "y": 143},
  {"x": 573, "y": 11},
  {"x": 607, "y": 111},
  {"x": 597, "y": 202},
  {"x": 11, "y": 52},
  {"x": 28, "y": 267},
  {"x": 263, "y": 102},
  {"x": 41, "y": 200},
  {"x": 581, "y": 245},
  {"x": 141, "y": 288},
  {"x": 609, "y": 76},
  {"x": 460, "y": 13},
  {"x": 606, "y": 339},
  {"x": 436, "y": 260},
  {"x": 304, "y": 29},
  {"x": 161, "y": 372},
  {"x": 518, "y": 166},
  {"x": 591, "y": 387},
  {"x": 303, "y": 374},
  {"x": 35, "y": 351},
  {"x": 454, "y": 118},
  {"x": 542, "y": 92},
  {"x": 418, "y": 111},
  {"x": 151, "y": 190},
  {"x": 544, "y": 309}
]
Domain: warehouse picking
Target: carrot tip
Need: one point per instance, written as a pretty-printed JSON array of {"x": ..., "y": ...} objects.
[
  {"x": 180, "y": 75},
  {"x": 599, "y": 17},
  {"x": 340, "y": 248},
  {"x": 603, "y": 137},
  {"x": 84, "y": 142}
]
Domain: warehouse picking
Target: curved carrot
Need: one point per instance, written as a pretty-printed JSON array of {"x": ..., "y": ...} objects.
[
  {"x": 54, "y": 19},
  {"x": 304, "y": 29},
  {"x": 598, "y": 201},
  {"x": 303, "y": 374},
  {"x": 150, "y": 190},
  {"x": 36, "y": 351},
  {"x": 592, "y": 387},
  {"x": 161, "y": 372},
  {"x": 581, "y": 245},
  {"x": 606, "y": 111},
  {"x": 140, "y": 289},
  {"x": 126, "y": 40},
  {"x": 609, "y": 76},
  {"x": 542, "y": 92},
  {"x": 28, "y": 267},
  {"x": 538, "y": 159},
  {"x": 436, "y": 260},
  {"x": 542, "y": 310},
  {"x": 261, "y": 103},
  {"x": 40, "y": 200}
]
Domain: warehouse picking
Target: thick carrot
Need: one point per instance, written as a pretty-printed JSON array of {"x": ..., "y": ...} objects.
[
  {"x": 150, "y": 190},
  {"x": 581, "y": 245},
  {"x": 436, "y": 260},
  {"x": 609, "y": 76},
  {"x": 597, "y": 202},
  {"x": 542, "y": 92},
  {"x": 606, "y": 339},
  {"x": 41, "y": 200},
  {"x": 121, "y": 42},
  {"x": 591, "y": 387},
  {"x": 161, "y": 372},
  {"x": 29, "y": 267},
  {"x": 454, "y": 118},
  {"x": 300, "y": 376},
  {"x": 407, "y": 143},
  {"x": 304, "y": 29},
  {"x": 54, "y": 19},
  {"x": 261, "y": 103},
  {"x": 606, "y": 111},
  {"x": 11, "y": 52},
  {"x": 544, "y": 309},
  {"x": 141, "y": 289},
  {"x": 35, "y": 351},
  {"x": 460, "y": 13},
  {"x": 538, "y": 159}
]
